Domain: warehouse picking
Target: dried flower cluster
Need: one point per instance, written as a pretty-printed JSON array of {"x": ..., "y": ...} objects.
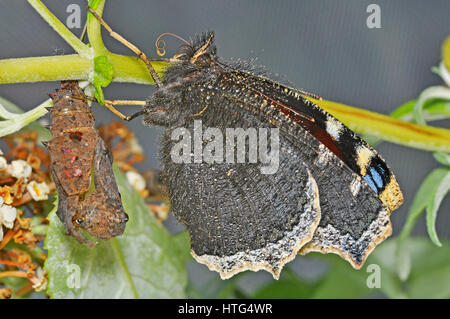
[{"x": 24, "y": 189}]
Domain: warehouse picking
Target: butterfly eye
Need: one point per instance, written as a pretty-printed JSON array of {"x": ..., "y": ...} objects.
[{"x": 79, "y": 220}]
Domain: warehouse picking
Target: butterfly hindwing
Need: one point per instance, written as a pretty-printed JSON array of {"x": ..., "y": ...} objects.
[{"x": 238, "y": 218}]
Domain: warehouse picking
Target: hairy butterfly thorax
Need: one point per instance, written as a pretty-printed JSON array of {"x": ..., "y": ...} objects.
[
  {"x": 331, "y": 192},
  {"x": 81, "y": 168}
]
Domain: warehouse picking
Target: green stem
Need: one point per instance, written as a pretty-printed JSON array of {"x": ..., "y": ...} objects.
[
  {"x": 409, "y": 225},
  {"x": 14, "y": 122},
  {"x": 74, "y": 67},
  {"x": 81, "y": 48},
  {"x": 389, "y": 129},
  {"x": 51, "y": 68},
  {"x": 131, "y": 69},
  {"x": 94, "y": 30}
]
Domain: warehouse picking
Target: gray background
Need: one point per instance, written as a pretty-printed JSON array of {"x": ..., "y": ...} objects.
[{"x": 321, "y": 46}]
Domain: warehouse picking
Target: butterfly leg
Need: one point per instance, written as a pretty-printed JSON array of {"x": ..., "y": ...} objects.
[
  {"x": 129, "y": 45},
  {"x": 201, "y": 112},
  {"x": 115, "y": 111},
  {"x": 109, "y": 104}
]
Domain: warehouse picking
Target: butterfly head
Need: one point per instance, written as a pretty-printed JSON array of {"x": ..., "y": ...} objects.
[{"x": 201, "y": 52}]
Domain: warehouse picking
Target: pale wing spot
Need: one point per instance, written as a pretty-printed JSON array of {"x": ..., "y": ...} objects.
[
  {"x": 334, "y": 127},
  {"x": 355, "y": 185},
  {"x": 364, "y": 156}
]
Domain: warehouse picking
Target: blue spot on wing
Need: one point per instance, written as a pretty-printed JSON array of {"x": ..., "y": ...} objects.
[
  {"x": 380, "y": 169},
  {"x": 370, "y": 182},
  {"x": 376, "y": 177}
]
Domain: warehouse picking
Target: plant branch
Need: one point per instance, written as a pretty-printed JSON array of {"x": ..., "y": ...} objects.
[
  {"x": 51, "y": 68},
  {"x": 74, "y": 67},
  {"x": 389, "y": 129},
  {"x": 94, "y": 30},
  {"x": 14, "y": 122}
]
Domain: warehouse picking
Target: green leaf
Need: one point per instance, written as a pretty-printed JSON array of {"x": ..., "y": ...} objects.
[
  {"x": 216, "y": 288},
  {"x": 426, "y": 260},
  {"x": 430, "y": 271},
  {"x": 430, "y": 276},
  {"x": 442, "y": 158},
  {"x": 433, "y": 109},
  {"x": 284, "y": 289},
  {"x": 385, "y": 256},
  {"x": 14, "y": 283},
  {"x": 402, "y": 260},
  {"x": 436, "y": 70},
  {"x": 144, "y": 262},
  {"x": 439, "y": 92},
  {"x": 441, "y": 189},
  {"x": 342, "y": 281},
  {"x": 423, "y": 197},
  {"x": 103, "y": 75},
  {"x": 289, "y": 286},
  {"x": 37, "y": 227},
  {"x": 183, "y": 243}
]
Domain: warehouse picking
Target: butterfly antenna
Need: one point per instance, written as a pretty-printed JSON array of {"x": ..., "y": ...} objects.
[{"x": 161, "y": 44}]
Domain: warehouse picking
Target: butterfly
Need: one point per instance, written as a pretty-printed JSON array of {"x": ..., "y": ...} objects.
[{"x": 331, "y": 192}]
